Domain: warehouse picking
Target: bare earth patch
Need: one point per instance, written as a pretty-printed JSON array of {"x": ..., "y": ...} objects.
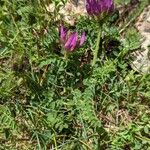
[{"x": 142, "y": 60}]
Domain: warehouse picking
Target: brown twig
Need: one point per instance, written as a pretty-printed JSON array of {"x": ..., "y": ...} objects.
[{"x": 44, "y": 74}]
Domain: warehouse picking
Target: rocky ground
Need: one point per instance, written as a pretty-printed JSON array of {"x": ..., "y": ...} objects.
[{"x": 142, "y": 60}]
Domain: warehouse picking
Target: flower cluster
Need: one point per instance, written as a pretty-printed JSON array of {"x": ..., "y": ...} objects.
[
  {"x": 97, "y": 7},
  {"x": 71, "y": 41}
]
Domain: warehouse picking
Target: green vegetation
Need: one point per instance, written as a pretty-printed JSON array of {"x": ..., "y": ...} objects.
[{"x": 48, "y": 102}]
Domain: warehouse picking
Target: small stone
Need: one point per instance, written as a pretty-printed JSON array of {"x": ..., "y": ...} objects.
[{"x": 148, "y": 19}]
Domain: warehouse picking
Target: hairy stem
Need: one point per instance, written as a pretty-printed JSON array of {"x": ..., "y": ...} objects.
[
  {"x": 65, "y": 55},
  {"x": 97, "y": 46}
]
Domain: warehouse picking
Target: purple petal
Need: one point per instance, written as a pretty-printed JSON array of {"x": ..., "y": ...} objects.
[
  {"x": 71, "y": 42},
  {"x": 88, "y": 7},
  {"x": 96, "y": 7},
  {"x": 107, "y": 5},
  {"x": 74, "y": 42},
  {"x": 82, "y": 39},
  {"x": 63, "y": 33},
  {"x": 111, "y": 8},
  {"x": 93, "y": 7}
]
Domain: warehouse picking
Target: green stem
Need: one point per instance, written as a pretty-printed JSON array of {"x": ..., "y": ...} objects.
[
  {"x": 65, "y": 55},
  {"x": 97, "y": 45}
]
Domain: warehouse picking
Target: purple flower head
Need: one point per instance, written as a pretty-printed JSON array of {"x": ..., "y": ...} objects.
[
  {"x": 71, "y": 41},
  {"x": 97, "y": 7}
]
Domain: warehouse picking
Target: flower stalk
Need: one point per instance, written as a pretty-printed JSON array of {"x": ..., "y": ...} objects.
[
  {"x": 65, "y": 55},
  {"x": 97, "y": 48},
  {"x": 100, "y": 10}
]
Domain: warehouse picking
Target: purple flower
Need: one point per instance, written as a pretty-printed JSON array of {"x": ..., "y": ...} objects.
[
  {"x": 71, "y": 41},
  {"x": 97, "y": 7}
]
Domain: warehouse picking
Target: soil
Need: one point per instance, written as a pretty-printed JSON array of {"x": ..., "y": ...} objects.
[{"x": 142, "y": 60}]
